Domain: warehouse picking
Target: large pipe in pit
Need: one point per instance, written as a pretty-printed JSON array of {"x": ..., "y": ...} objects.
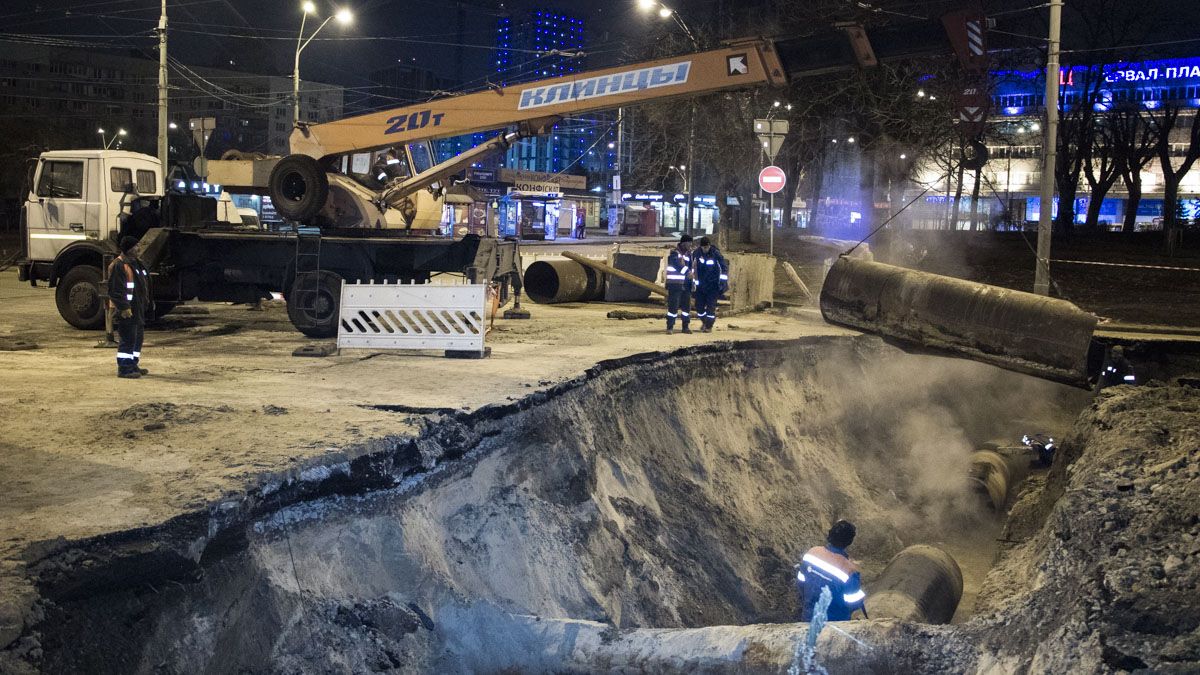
[
  {"x": 992, "y": 476},
  {"x": 1028, "y": 333},
  {"x": 922, "y": 583},
  {"x": 553, "y": 281}
]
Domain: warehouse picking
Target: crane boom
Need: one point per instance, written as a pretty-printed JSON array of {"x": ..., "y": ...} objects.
[
  {"x": 306, "y": 186},
  {"x": 743, "y": 64}
]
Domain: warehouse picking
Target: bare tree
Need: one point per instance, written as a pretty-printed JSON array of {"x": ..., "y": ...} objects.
[
  {"x": 1173, "y": 170},
  {"x": 1133, "y": 142},
  {"x": 1101, "y": 168}
]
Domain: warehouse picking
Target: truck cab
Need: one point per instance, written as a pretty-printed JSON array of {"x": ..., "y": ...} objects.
[{"x": 71, "y": 219}]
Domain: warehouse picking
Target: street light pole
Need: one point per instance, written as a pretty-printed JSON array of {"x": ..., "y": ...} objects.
[
  {"x": 162, "y": 88},
  {"x": 343, "y": 16},
  {"x": 668, "y": 13},
  {"x": 1041, "y": 278},
  {"x": 308, "y": 6}
]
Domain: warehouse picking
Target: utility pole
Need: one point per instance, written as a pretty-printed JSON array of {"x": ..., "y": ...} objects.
[
  {"x": 1041, "y": 278},
  {"x": 162, "y": 89},
  {"x": 691, "y": 168}
]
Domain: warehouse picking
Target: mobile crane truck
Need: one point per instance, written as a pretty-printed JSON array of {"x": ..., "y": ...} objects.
[{"x": 348, "y": 226}]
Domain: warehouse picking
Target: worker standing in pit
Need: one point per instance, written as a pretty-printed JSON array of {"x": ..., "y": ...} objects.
[
  {"x": 830, "y": 566},
  {"x": 1117, "y": 370},
  {"x": 679, "y": 284},
  {"x": 712, "y": 280},
  {"x": 129, "y": 295}
]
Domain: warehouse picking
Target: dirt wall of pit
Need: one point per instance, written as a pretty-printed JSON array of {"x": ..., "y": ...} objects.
[{"x": 671, "y": 491}]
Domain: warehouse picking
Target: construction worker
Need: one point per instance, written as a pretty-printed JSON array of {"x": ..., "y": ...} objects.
[
  {"x": 1117, "y": 370},
  {"x": 679, "y": 284},
  {"x": 712, "y": 280},
  {"x": 829, "y": 567},
  {"x": 387, "y": 167},
  {"x": 129, "y": 296}
]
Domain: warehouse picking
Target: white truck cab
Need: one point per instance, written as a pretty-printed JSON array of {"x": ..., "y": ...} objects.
[
  {"x": 77, "y": 195},
  {"x": 71, "y": 217}
]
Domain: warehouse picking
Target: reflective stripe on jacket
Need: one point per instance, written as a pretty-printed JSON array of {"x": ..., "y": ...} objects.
[
  {"x": 679, "y": 267},
  {"x": 711, "y": 268},
  {"x": 826, "y": 567}
]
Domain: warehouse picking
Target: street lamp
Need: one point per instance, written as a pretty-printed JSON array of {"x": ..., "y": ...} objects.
[
  {"x": 667, "y": 13},
  {"x": 108, "y": 142},
  {"x": 343, "y": 17}
]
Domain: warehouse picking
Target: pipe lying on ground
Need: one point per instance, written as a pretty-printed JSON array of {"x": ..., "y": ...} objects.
[
  {"x": 991, "y": 475},
  {"x": 553, "y": 281},
  {"x": 1027, "y": 333},
  {"x": 922, "y": 583},
  {"x": 605, "y": 268}
]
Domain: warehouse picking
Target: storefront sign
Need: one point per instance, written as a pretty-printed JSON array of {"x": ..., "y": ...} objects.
[
  {"x": 533, "y": 189},
  {"x": 643, "y": 196},
  {"x": 481, "y": 175},
  {"x": 567, "y": 181}
]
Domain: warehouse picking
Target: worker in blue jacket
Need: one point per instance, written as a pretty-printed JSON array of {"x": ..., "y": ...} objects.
[
  {"x": 679, "y": 284},
  {"x": 712, "y": 280},
  {"x": 830, "y": 567}
]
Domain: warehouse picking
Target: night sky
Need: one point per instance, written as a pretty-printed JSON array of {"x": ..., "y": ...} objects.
[{"x": 259, "y": 35}]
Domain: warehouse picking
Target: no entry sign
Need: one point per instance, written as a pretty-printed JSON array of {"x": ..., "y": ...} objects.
[{"x": 772, "y": 179}]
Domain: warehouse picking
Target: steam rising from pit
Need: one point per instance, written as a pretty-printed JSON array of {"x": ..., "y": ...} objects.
[{"x": 912, "y": 422}]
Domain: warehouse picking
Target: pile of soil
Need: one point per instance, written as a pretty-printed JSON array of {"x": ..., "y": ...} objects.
[
  {"x": 1107, "y": 582},
  {"x": 175, "y": 413}
]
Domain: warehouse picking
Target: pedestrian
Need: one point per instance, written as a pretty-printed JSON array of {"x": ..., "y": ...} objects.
[
  {"x": 129, "y": 297},
  {"x": 679, "y": 284},
  {"x": 712, "y": 281},
  {"x": 830, "y": 567}
]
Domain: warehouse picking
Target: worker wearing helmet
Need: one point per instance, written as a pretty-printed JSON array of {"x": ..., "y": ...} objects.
[
  {"x": 679, "y": 284},
  {"x": 712, "y": 280},
  {"x": 830, "y": 567}
]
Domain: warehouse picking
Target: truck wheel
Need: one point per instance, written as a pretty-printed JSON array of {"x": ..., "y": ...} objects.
[
  {"x": 78, "y": 297},
  {"x": 298, "y": 187},
  {"x": 314, "y": 303}
]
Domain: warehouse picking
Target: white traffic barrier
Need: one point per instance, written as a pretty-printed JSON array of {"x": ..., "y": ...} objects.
[{"x": 413, "y": 316}]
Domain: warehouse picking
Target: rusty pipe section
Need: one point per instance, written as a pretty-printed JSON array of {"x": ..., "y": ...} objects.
[
  {"x": 1027, "y": 333},
  {"x": 991, "y": 476},
  {"x": 922, "y": 583},
  {"x": 553, "y": 281}
]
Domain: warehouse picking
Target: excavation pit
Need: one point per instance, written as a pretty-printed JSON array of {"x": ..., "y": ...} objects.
[{"x": 660, "y": 492}]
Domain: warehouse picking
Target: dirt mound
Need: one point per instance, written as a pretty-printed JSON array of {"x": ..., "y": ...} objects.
[
  {"x": 1107, "y": 583},
  {"x": 662, "y": 492},
  {"x": 176, "y": 413}
]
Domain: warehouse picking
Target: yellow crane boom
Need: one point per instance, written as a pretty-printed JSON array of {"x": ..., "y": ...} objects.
[{"x": 743, "y": 64}]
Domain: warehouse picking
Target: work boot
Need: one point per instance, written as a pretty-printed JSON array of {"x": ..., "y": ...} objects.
[
  {"x": 705, "y": 329},
  {"x": 129, "y": 375},
  {"x": 670, "y": 331},
  {"x": 687, "y": 330},
  {"x": 142, "y": 371}
]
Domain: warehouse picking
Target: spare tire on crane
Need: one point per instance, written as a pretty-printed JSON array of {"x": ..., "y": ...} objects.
[{"x": 298, "y": 187}]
